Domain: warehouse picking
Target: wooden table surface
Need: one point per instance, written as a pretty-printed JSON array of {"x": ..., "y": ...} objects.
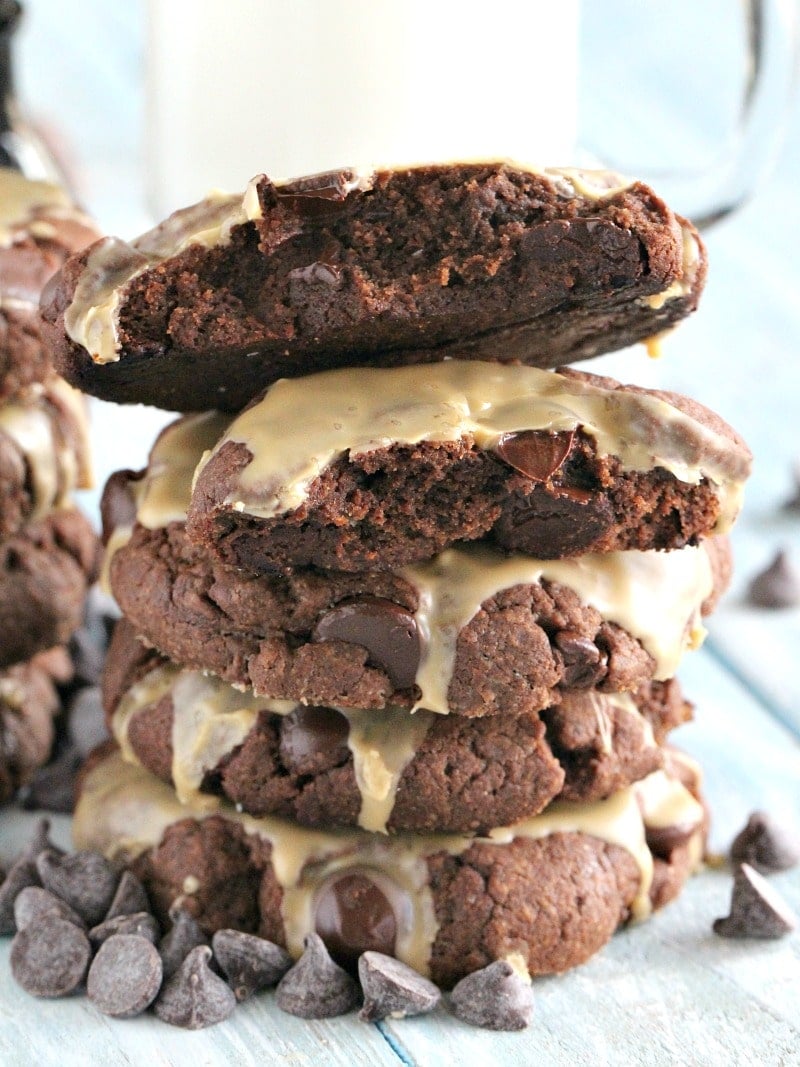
[{"x": 666, "y": 992}]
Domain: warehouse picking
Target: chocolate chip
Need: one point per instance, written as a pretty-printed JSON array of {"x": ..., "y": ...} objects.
[
  {"x": 52, "y": 788},
  {"x": 118, "y": 503},
  {"x": 757, "y": 910},
  {"x": 387, "y": 631},
  {"x": 22, "y": 874},
  {"x": 494, "y": 997},
  {"x": 316, "y": 988},
  {"x": 663, "y": 840},
  {"x": 393, "y": 988},
  {"x": 40, "y": 842},
  {"x": 249, "y": 963},
  {"x": 183, "y": 936},
  {"x": 85, "y": 880},
  {"x": 778, "y": 586},
  {"x": 309, "y": 732},
  {"x": 765, "y": 845},
  {"x": 33, "y": 903},
  {"x": 50, "y": 957},
  {"x": 537, "y": 454},
  {"x": 125, "y": 976},
  {"x": 129, "y": 898},
  {"x": 316, "y": 197},
  {"x": 140, "y": 923},
  {"x": 553, "y": 525},
  {"x": 584, "y": 663},
  {"x": 353, "y": 914},
  {"x": 195, "y": 997}
]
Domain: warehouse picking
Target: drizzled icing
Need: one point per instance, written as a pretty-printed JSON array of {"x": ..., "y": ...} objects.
[
  {"x": 211, "y": 719},
  {"x": 56, "y": 463},
  {"x": 23, "y": 203},
  {"x": 655, "y": 596},
  {"x": 123, "y": 811},
  {"x": 302, "y": 425}
]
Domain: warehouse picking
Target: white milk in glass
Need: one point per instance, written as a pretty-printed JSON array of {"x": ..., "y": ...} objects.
[{"x": 292, "y": 87}]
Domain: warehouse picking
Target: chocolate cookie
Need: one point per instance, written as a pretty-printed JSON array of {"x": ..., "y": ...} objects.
[
  {"x": 39, "y": 229},
  {"x": 381, "y": 770},
  {"x": 473, "y": 632},
  {"x": 375, "y": 469},
  {"x": 547, "y": 892},
  {"x": 44, "y": 453},
  {"x": 45, "y": 571},
  {"x": 29, "y": 701},
  {"x": 478, "y": 261}
]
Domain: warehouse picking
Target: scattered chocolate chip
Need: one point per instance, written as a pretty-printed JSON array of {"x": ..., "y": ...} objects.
[
  {"x": 33, "y": 903},
  {"x": 757, "y": 910},
  {"x": 316, "y": 987},
  {"x": 387, "y": 631},
  {"x": 50, "y": 958},
  {"x": 22, "y": 874},
  {"x": 85, "y": 880},
  {"x": 129, "y": 898},
  {"x": 125, "y": 976},
  {"x": 140, "y": 923},
  {"x": 494, "y": 997},
  {"x": 553, "y": 525},
  {"x": 52, "y": 788},
  {"x": 353, "y": 914},
  {"x": 584, "y": 663},
  {"x": 535, "y": 453},
  {"x": 793, "y": 503},
  {"x": 765, "y": 845},
  {"x": 183, "y": 936},
  {"x": 40, "y": 842},
  {"x": 86, "y": 724},
  {"x": 249, "y": 963},
  {"x": 309, "y": 731},
  {"x": 195, "y": 997},
  {"x": 778, "y": 586},
  {"x": 393, "y": 988}
]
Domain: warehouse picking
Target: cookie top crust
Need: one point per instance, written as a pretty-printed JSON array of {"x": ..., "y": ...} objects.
[{"x": 482, "y": 260}]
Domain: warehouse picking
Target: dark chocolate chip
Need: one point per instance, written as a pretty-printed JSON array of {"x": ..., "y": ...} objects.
[
  {"x": 140, "y": 923},
  {"x": 537, "y": 454},
  {"x": 353, "y": 914},
  {"x": 21, "y": 875},
  {"x": 125, "y": 976},
  {"x": 118, "y": 503},
  {"x": 316, "y": 197},
  {"x": 129, "y": 898},
  {"x": 663, "y": 840},
  {"x": 553, "y": 525},
  {"x": 40, "y": 842},
  {"x": 778, "y": 586},
  {"x": 50, "y": 957},
  {"x": 85, "y": 880},
  {"x": 310, "y": 731},
  {"x": 393, "y": 988},
  {"x": 52, "y": 788},
  {"x": 494, "y": 997},
  {"x": 316, "y": 987},
  {"x": 757, "y": 909},
  {"x": 584, "y": 664},
  {"x": 183, "y": 936},
  {"x": 33, "y": 903},
  {"x": 249, "y": 963},
  {"x": 765, "y": 845},
  {"x": 387, "y": 631},
  {"x": 195, "y": 997}
]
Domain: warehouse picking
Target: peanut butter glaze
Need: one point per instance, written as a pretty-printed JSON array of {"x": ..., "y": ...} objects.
[
  {"x": 302, "y": 425},
  {"x": 122, "y": 812}
]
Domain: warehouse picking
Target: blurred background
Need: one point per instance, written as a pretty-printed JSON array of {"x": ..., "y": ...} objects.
[{"x": 131, "y": 95}]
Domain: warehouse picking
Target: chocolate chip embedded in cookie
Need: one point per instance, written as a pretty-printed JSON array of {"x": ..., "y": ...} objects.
[
  {"x": 469, "y": 260},
  {"x": 376, "y": 469},
  {"x": 435, "y": 899},
  {"x": 40, "y": 228}
]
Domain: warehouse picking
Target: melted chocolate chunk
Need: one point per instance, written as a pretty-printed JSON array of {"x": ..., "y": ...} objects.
[
  {"x": 663, "y": 840},
  {"x": 387, "y": 631},
  {"x": 537, "y": 454},
  {"x": 354, "y": 915},
  {"x": 584, "y": 663},
  {"x": 309, "y": 731},
  {"x": 551, "y": 525}
]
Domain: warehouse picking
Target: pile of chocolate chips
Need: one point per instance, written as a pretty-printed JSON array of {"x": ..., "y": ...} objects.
[{"x": 80, "y": 924}]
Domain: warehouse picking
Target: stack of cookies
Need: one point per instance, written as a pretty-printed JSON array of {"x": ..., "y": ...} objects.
[
  {"x": 48, "y": 550},
  {"x": 402, "y": 607}
]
